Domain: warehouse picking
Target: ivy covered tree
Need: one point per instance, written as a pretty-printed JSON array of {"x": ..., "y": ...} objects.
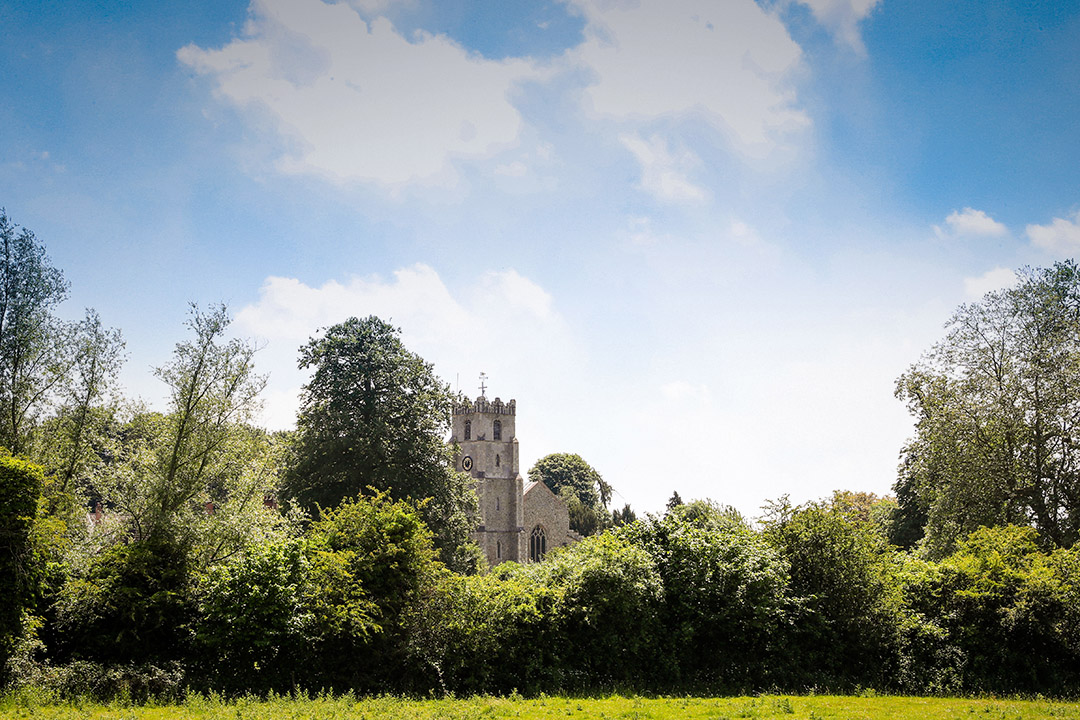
[{"x": 375, "y": 415}]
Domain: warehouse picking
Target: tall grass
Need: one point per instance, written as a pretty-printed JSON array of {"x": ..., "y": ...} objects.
[{"x": 27, "y": 704}]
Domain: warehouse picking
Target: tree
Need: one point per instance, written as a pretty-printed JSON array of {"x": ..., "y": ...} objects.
[
  {"x": 674, "y": 501},
  {"x": 96, "y": 361},
  {"x": 33, "y": 343},
  {"x": 997, "y": 413},
  {"x": 214, "y": 391},
  {"x": 582, "y": 488},
  {"x": 374, "y": 415},
  {"x": 623, "y": 517}
]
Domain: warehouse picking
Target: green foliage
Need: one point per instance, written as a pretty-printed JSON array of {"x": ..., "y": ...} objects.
[
  {"x": 1008, "y": 610},
  {"x": 34, "y": 357},
  {"x": 372, "y": 560},
  {"x": 846, "y": 581},
  {"x": 609, "y": 594},
  {"x": 98, "y": 355},
  {"x": 581, "y": 487},
  {"x": 708, "y": 515},
  {"x": 213, "y": 392},
  {"x": 998, "y": 418},
  {"x": 131, "y": 604},
  {"x": 625, "y": 516},
  {"x": 375, "y": 415},
  {"x": 254, "y": 622},
  {"x": 725, "y": 598},
  {"x": 493, "y": 633},
  {"x": 20, "y": 488}
]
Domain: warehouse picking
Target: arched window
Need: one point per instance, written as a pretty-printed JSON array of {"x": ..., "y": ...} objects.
[
  {"x": 537, "y": 544},
  {"x": 496, "y": 459},
  {"x": 468, "y": 430},
  {"x": 496, "y": 430}
]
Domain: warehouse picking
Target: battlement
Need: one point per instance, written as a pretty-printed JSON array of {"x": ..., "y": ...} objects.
[{"x": 482, "y": 405}]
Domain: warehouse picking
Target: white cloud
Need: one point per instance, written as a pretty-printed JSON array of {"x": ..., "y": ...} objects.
[
  {"x": 663, "y": 174},
  {"x": 353, "y": 100},
  {"x": 842, "y": 18},
  {"x": 970, "y": 223},
  {"x": 728, "y": 62},
  {"x": 502, "y": 323},
  {"x": 991, "y": 280},
  {"x": 1060, "y": 236}
]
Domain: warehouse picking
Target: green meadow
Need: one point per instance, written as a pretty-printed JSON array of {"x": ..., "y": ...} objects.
[{"x": 817, "y": 707}]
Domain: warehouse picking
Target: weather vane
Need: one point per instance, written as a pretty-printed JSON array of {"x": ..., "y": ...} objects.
[{"x": 483, "y": 387}]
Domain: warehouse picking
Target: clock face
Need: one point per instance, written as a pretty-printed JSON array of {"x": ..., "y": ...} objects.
[{"x": 466, "y": 463}]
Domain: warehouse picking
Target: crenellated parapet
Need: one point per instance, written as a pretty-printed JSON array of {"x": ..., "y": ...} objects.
[{"x": 483, "y": 405}]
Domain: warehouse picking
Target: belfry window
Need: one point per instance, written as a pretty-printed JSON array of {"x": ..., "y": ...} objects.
[
  {"x": 537, "y": 544},
  {"x": 496, "y": 430},
  {"x": 468, "y": 430}
]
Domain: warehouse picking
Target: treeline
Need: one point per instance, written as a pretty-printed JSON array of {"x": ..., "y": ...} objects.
[
  {"x": 696, "y": 601},
  {"x": 146, "y": 552}
]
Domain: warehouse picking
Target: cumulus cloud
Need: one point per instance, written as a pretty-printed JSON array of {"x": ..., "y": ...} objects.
[
  {"x": 354, "y": 100},
  {"x": 842, "y": 18},
  {"x": 663, "y": 173},
  {"x": 502, "y": 323},
  {"x": 970, "y": 223},
  {"x": 1060, "y": 237},
  {"x": 991, "y": 280},
  {"x": 728, "y": 62}
]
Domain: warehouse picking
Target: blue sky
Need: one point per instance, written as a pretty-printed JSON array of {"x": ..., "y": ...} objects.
[{"x": 697, "y": 241}]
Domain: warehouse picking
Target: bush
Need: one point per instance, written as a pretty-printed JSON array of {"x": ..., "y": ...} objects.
[
  {"x": 132, "y": 605},
  {"x": 848, "y": 620},
  {"x": 253, "y": 626},
  {"x": 724, "y": 600},
  {"x": 1008, "y": 611},
  {"x": 20, "y": 487}
]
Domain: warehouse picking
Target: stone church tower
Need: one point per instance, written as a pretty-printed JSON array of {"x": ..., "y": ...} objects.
[{"x": 519, "y": 521}]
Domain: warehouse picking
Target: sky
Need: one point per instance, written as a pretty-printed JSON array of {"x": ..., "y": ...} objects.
[{"x": 697, "y": 241}]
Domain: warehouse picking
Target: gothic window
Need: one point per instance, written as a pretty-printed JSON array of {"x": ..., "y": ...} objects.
[
  {"x": 537, "y": 544},
  {"x": 468, "y": 430},
  {"x": 496, "y": 430},
  {"x": 496, "y": 459}
]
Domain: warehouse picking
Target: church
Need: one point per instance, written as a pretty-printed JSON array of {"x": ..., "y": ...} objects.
[{"x": 519, "y": 520}]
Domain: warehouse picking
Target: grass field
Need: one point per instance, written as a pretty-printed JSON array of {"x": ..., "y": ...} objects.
[{"x": 550, "y": 708}]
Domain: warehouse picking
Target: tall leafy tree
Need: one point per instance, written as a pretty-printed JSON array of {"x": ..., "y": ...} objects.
[
  {"x": 586, "y": 493},
  {"x": 34, "y": 357},
  {"x": 374, "y": 415},
  {"x": 97, "y": 354},
  {"x": 997, "y": 413}
]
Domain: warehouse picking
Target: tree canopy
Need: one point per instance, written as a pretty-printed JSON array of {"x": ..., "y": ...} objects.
[
  {"x": 33, "y": 352},
  {"x": 580, "y": 485},
  {"x": 375, "y": 415},
  {"x": 998, "y": 416}
]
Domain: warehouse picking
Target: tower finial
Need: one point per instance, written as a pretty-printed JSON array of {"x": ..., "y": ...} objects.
[{"x": 483, "y": 387}]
